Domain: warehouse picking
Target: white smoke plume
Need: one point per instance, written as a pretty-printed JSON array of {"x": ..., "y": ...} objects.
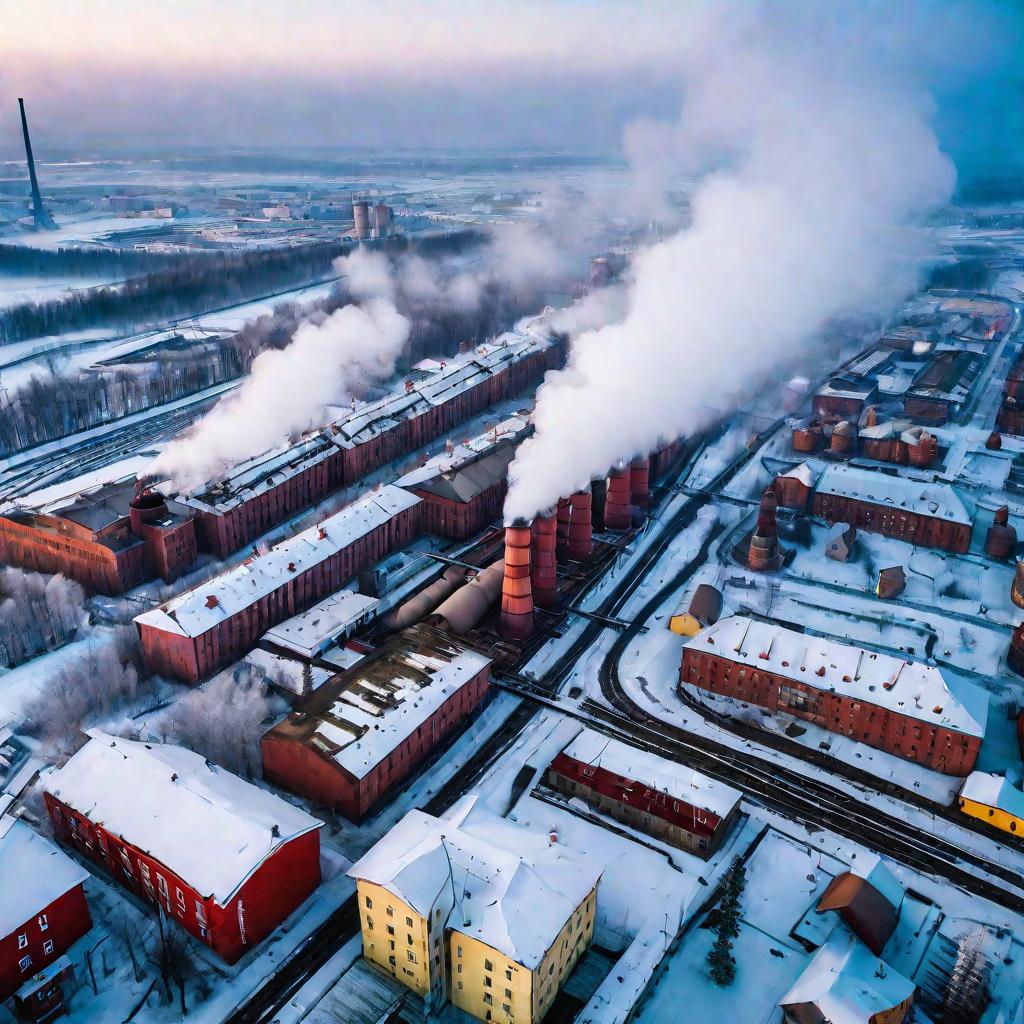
[
  {"x": 327, "y": 361},
  {"x": 812, "y": 159}
]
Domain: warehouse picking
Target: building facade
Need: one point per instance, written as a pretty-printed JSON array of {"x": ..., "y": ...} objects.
[
  {"x": 902, "y": 707},
  {"x": 40, "y": 921},
  {"x": 224, "y": 859}
]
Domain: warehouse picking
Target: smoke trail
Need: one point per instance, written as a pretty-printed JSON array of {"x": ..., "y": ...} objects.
[
  {"x": 328, "y": 359},
  {"x": 813, "y": 162}
]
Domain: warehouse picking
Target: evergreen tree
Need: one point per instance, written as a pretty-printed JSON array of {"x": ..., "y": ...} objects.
[{"x": 727, "y": 925}]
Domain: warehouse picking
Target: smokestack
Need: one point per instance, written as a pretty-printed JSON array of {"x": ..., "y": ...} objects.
[
  {"x": 616, "y": 506},
  {"x": 44, "y": 222},
  {"x": 563, "y": 516},
  {"x": 764, "y": 545},
  {"x": 581, "y": 546},
  {"x": 1001, "y": 540},
  {"x": 543, "y": 575},
  {"x": 382, "y": 218},
  {"x": 361, "y": 219},
  {"x": 598, "y": 496},
  {"x": 640, "y": 483},
  {"x": 516, "y": 594}
]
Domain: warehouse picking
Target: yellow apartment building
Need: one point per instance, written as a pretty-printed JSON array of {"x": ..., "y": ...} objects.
[{"x": 477, "y": 910}]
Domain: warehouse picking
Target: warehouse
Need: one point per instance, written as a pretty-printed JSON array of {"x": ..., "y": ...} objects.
[
  {"x": 940, "y": 389},
  {"x": 926, "y": 514},
  {"x": 311, "y": 632},
  {"x": 666, "y": 800},
  {"x": 207, "y": 628},
  {"x": 464, "y": 487},
  {"x": 902, "y": 707},
  {"x": 844, "y": 396},
  {"x": 225, "y": 859},
  {"x": 110, "y": 538},
  {"x": 364, "y": 731}
]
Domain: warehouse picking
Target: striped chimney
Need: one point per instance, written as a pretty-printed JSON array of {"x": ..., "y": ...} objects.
[
  {"x": 616, "y": 507},
  {"x": 598, "y": 494},
  {"x": 640, "y": 483},
  {"x": 543, "y": 576},
  {"x": 516, "y": 592},
  {"x": 581, "y": 545},
  {"x": 562, "y": 514}
]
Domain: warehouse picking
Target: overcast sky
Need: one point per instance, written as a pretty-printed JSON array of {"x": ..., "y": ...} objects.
[{"x": 445, "y": 73}]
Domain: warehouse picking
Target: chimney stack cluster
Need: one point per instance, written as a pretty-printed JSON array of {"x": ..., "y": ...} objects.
[
  {"x": 580, "y": 529},
  {"x": 616, "y": 507}
]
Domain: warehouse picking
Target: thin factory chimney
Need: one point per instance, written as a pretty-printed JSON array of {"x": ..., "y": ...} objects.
[{"x": 42, "y": 218}]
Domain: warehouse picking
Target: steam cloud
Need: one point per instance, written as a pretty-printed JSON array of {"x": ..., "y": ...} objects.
[
  {"x": 813, "y": 161},
  {"x": 328, "y": 359}
]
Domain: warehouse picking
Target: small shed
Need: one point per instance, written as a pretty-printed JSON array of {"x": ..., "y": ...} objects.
[
  {"x": 869, "y": 906},
  {"x": 839, "y": 541},
  {"x": 704, "y": 610},
  {"x": 891, "y": 582},
  {"x": 44, "y": 995}
]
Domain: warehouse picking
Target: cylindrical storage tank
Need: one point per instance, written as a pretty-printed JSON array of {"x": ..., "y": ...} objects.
[
  {"x": 361, "y": 219},
  {"x": 1017, "y": 587},
  {"x": 1001, "y": 539},
  {"x": 807, "y": 439},
  {"x": 461, "y": 611},
  {"x": 616, "y": 505},
  {"x": 543, "y": 574},
  {"x": 1015, "y": 655},
  {"x": 598, "y": 495},
  {"x": 640, "y": 483},
  {"x": 844, "y": 438},
  {"x": 516, "y": 592},
  {"x": 146, "y": 507},
  {"x": 382, "y": 217},
  {"x": 581, "y": 545},
  {"x": 562, "y": 519},
  {"x": 924, "y": 452}
]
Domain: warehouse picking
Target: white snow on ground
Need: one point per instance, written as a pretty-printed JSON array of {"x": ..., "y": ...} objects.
[
  {"x": 18, "y": 288},
  {"x": 69, "y": 231}
]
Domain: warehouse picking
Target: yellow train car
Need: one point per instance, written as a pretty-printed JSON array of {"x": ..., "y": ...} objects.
[
  {"x": 704, "y": 610},
  {"x": 993, "y": 799}
]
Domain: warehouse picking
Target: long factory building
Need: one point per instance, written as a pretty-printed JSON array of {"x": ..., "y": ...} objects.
[{"x": 111, "y": 539}]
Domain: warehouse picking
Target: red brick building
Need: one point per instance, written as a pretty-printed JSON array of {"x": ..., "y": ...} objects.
[
  {"x": 109, "y": 539},
  {"x": 209, "y": 627},
  {"x": 463, "y": 489},
  {"x": 225, "y": 859},
  {"x": 926, "y": 514},
  {"x": 363, "y": 732},
  {"x": 902, "y": 707},
  {"x": 433, "y": 399},
  {"x": 42, "y": 904},
  {"x": 663, "y": 799}
]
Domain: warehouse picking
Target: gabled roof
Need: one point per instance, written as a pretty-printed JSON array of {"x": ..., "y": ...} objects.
[
  {"x": 506, "y": 886},
  {"x": 209, "y": 827},
  {"x": 33, "y": 874}
]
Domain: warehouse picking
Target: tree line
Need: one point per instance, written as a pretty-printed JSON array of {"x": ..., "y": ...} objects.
[
  {"x": 75, "y": 261},
  {"x": 38, "y": 613}
]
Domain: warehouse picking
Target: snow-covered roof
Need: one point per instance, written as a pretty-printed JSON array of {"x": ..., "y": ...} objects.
[
  {"x": 847, "y": 983},
  {"x": 904, "y": 687},
  {"x": 310, "y": 631},
  {"x": 35, "y": 874},
  {"x": 515, "y": 889},
  {"x": 209, "y": 827},
  {"x": 360, "y": 717},
  {"x": 839, "y": 387},
  {"x": 805, "y": 473},
  {"x": 192, "y": 613},
  {"x": 937, "y": 500},
  {"x": 994, "y": 791},
  {"x": 677, "y": 780}
]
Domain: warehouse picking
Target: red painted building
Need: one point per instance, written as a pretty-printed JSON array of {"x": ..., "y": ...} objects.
[
  {"x": 226, "y": 860},
  {"x": 42, "y": 904},
  {"x": 902, "y": 707},
  {"x": 925, "y": 514},
  {"x": 640, "y": 789},
  {"x": 109, "y": 539},
  {"x": 213, "y": 625},
  {"x": 363, "y": 732}
]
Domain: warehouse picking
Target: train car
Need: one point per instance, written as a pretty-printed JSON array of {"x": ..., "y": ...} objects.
[{"x": 993, "y": 799}]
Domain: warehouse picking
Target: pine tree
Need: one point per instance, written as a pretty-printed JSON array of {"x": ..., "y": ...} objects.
[
  {"x": 723, "y": 969},
  {"x": 307, "y": 678},
  {"x": 727, "y": 926}
]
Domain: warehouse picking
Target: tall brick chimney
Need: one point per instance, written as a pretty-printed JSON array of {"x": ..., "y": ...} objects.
[
  {"x": 764, "y": 545},
  {"x": 562, "y": 515},
  {"x": 516, "y": 593},
  {"x": 640, "y": 483},
  {"x": 543, "y": 575},
  {"x": 616, "y": 507},
  {"x": 598, "y": 494},
  {"x": 581, "y": 545}
]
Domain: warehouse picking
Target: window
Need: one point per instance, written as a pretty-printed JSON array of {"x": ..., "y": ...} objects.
[
  {"x": 391, "y": 911},
  {"x": 25, "y": 963},
  {"x": 126, "y": 863},
  {"x": 487, "y": 981},
  {"x": 488, "y": 966},
  {"x": 23, "y": 941},
  {"x": 48, "y": 946},
  {"x": 508, "y": 973},
  {"x": 508, "y": 993},
  {"x": 369, "y": 923},
  {"x": 43, "y": 922},
  {"x": 391, "y": 929},
  {"x": 458, "y": 951},
  {"x": 411, "y": 956},
  {"x": 181, "y": 900},
  {"x": 391, "y": 960},
  {"x": 506, "y": 1007},
  {"x": 459, "y": 969},
  {"x": 408, "y": 922},
  {"x": 487, "y": 999},
  {"x": 369, "y": 902},
  {"x": 460, "y": 984}
]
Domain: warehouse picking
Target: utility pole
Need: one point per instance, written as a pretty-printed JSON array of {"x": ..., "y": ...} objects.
[{"x": 42, "y": 218}]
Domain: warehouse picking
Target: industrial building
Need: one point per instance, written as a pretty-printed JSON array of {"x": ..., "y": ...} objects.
[
  {"x": 463, "y": 489},
  {"x": 361, "y": 733},
  {"x": 902, "y": 707},
  {"x": 926, "y": 514},
  {"x": 226, "y": 860},
  {"x": 666, "y": 800},
  {"x": 311, "y": 632},
  {"x": 501, "y": 943},
  {"x": 207, "y": 628},
  {"x": 110, "y": 538},
  {"x": 939, "y": 390},
  {"x": 42, "y": 904}
]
